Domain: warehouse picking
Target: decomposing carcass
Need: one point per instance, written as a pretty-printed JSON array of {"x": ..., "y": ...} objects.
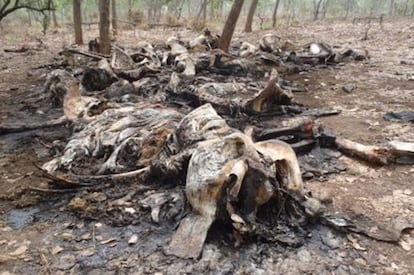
[
  {"x": 229, "y": 176},
  {"x": 232, "y": 178},
  {"x": 200, "y": 128}
]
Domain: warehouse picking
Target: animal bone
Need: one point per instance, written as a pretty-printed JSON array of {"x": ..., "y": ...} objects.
[
  {"x": 272, "y": 94},
  {"x": 149, "y": 125},
  {"x": 247, "y": 49},
  {"x": 270, "y": 43},
  {"x": 185, "y": 61},
  {"x": 206, "y": 39},
  {"x": 176, "y": 47},
  {"x": 76, "y": 106}
]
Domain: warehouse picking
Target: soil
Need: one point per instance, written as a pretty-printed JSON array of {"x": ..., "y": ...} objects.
[{"x": 40, "y": 234}]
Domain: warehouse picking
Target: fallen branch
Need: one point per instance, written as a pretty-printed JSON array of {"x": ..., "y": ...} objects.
[
  {"x": 8, "y": 129},
  {"x": 303, "y": 128},
  {"x": 98, "y": 56},
  {"x": 21, "y": 49},
  {"x": 49, "y": 191},
  {"x": 321, "y": 113},
  {"x": 395, "y": 152}
]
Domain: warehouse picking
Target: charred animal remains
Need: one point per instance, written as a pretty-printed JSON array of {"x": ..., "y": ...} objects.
[{"x": 213, "y": 138}]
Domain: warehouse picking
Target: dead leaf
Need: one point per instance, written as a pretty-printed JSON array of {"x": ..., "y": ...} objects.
[
  {"x": 56, "y": 250},
  {"x": 108, "y": 241},
  {"x": 67, "y": 236},
  {"x": 355, "y": 244},
  {"x": 87, "y": 252},
  {"x": 86, "y": 236},
  {"x": 19, "y": 251},
  {"x": 78, "y": 204}
]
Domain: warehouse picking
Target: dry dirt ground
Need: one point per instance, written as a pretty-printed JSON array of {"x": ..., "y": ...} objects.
[{"x": 43, "y": 236}]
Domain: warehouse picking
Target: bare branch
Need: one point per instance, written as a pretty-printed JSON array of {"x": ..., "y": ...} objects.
[
  {"x": 4, "y": 11},
  {"x": 5, "y": 6}
]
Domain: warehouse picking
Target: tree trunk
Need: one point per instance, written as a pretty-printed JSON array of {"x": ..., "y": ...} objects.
[
  {"x": 230, "y": 25},
  {"x": 348, "y": 7},
  {"x": 212, "y": 9},
  {"x": 29, "y": 18},
  {"x": 317, "y": 8},
  {"x": 158, "y": 6},
  {"x": 114, "y": 17},
  {"x": 391, "y": 7},
  {"x": 130, "y": 10},
  {"x": 52, "y": 14},
  {"x": 249, "y": 21},
  {"x": 77, "y": 21},
  {"x": 324, "y": 8},
  {"x": 221, "y": 8},
  {"x": 203, "y": 11},
  {"x": 274, "y": 15},
  {"x": 55, "y": 22},
  {"x": 293, "y": 11},
  {"x": 405, "y": 8},
  {"x": 287, "y": 8},
  {"x": 104, "y": 40}
]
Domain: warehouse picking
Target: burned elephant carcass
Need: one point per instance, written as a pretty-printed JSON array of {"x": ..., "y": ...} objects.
[
  {"x": 135, "y": 142},
  {"x": 231, "y": 179},
  {"x": 229, "y": 176},
  {"x": 119, "y": 139},
  {"x": 233, "y": 98}
]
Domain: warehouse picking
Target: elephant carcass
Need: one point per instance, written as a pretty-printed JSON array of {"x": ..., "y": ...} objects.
[
  {"x": 231, "y": 98},
  {"x": 80, "y": 108},
  {"x": 270, "y": 43},
  {"x": 205, "y": 40},
  {"x": 247, "y": 49},
  {"x": 202, "y": 124},
  {"x": 230, "y": 178},
  {"x": 158, "y": 141},
  {"x": 118, "y": 140}
]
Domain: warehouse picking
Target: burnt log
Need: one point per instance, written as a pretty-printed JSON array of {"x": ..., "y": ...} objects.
[
  {"x": 394, "y": 152},
  {"x": 9, "y": 129}
]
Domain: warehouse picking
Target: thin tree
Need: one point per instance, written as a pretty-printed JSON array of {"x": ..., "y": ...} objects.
[
  {"x": 203, "y": 11},
  {"x": 274, "y": 15},
  {"x": 405, "y": 8},
  {"x": 324, "y": 8},
  {"x": 114, "y": 17},
  {"x": 230, "y": 25},
  {"x": 130, "y": 10},
  {"x": 317, "y": 9},
  {"x": 249, "y": 20},
  {"x": 77, "y": 21},
  {"x": 104, "y": 39},
  {"x": 390, "y": 12},
  {"x": 412, "y": 9},
  {"x": 348, "y": 8},
  {"x": 52, "y": 14}
]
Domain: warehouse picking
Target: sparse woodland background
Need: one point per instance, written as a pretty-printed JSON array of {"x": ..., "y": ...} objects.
[{"x": 195, "y": 14}]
